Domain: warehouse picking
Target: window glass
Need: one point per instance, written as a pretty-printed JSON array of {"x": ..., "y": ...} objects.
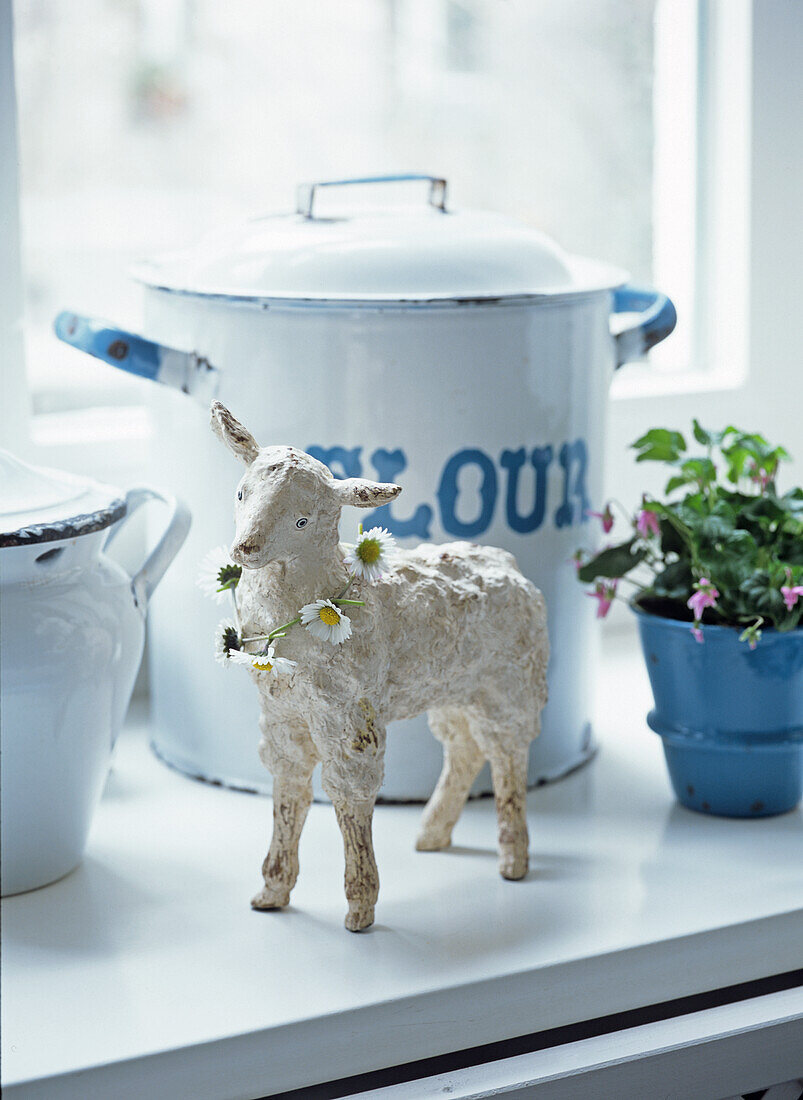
[{"x": 143, "y": 122}]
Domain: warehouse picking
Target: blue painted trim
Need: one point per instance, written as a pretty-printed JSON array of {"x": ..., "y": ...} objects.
[
  {"x": 657, "y": 319},
  {"x": 121, "y": 349}
]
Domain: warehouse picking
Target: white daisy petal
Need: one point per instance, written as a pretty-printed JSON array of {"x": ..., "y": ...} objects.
[
  {"x": 282, "y": 666},
  {"x": 263, "y": 662},
  {"x": 266, "y": 663},
  {"x": 373, "y": 554},
  {"x": 326, "y": 621},
  {"x": 209, "y": 573},
  {"x": 227, "y": 641},
  {"x": 237, "y": 657}
]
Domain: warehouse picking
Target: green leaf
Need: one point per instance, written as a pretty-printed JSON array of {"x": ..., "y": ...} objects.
[
  {"x": 711, "y": 439},
  {"x": 701, "y": 435},
  {"x": 792, "y": 502},
  {"x": 661, "y": 435},
  {"x": 671, "y": 541},
  {"x": 699, "y": 470},
  {"x": 677, "y": 482},
  {"x": 714, "y": 528},
  {"x": 616, "y": 561},
  {"x": 658, "y": 453},
  {"x": 659, "y": 445},
  {"x": 675, "y": 581}
]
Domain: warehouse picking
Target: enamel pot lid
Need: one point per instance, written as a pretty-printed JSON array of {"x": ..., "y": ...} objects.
[
  {"x": 339, "y": 251},
  {"x": 42, "y": 505}
]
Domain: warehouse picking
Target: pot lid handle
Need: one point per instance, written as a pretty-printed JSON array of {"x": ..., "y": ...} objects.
[{"x": 305, "y": 192}]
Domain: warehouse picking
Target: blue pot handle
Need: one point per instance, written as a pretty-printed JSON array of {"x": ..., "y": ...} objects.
[
  {"x": 183, "y": 370},
  {"x": 655, "y": 321},
  {"x": 121, "y": 349}
]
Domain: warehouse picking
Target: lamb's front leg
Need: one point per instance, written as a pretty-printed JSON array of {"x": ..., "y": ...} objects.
[
  {"x": 361, "y": 877},
  {"x": 352, "y": 754},
  {"x": 290, "y": 756}
]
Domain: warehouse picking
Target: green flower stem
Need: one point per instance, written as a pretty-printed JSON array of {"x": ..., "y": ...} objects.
[
  {"x": 281, "y": 629},
  {"x": 345, "y": 590},
  {"x": 279, "y": 632},
  {"x": 630, "y": 580},
  {"x": 350, "y": 603},
  {"x": 236, "y": 610}
]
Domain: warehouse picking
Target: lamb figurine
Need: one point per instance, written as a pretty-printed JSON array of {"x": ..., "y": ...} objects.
[{"x": 454, "y": 630}]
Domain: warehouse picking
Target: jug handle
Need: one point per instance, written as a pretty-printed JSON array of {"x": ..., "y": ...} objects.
[
  {"x": 155, "y": 565},
  {"x": 655, "y": 319}
]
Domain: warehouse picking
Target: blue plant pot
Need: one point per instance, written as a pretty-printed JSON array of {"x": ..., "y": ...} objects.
[{"x": 730, "y": 718}]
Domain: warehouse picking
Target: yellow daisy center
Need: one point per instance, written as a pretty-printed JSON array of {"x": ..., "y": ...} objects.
[
  {"x": 329, "y": 616},
  {"x": 262, "y": 664},
  {"x": 369, "y": 551}
]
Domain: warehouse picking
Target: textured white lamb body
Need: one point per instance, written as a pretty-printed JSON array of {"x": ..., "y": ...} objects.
[{"x": 455, "y": 630}]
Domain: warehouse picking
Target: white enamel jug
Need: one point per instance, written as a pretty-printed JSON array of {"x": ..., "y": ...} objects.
[{"x": 72, "y": 627}]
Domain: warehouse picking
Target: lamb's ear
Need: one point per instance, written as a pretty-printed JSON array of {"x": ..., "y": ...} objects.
[
  {"x": 360, "y": 493},
  {"x": 231, "y": 432}
]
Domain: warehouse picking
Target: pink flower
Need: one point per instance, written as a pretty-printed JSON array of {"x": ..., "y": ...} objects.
[
  {"x": 604, "y": 591},
  {"x": 647, "y": 524},
  {"x": 705, "y": 595},
  {"x": 759, "y": 475},
  {"x": 791, "y": 592},
  {"x": 605, "y": 517},
  {"x": 697, "y": 632}
]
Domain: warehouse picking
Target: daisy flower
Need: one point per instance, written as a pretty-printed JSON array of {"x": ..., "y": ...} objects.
[
  {"x": 372, "y": 555},
  {"x": 265, "y": 662},
  {"x": 217, "y": 574},
  {"x": 227, "y": 641},
  {"x": 326, "y": 621}
]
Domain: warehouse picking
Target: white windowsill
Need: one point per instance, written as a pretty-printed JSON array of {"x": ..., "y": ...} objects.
[
  {"x": 146, "y": 972},
  {"x": 636, "y": 381}
]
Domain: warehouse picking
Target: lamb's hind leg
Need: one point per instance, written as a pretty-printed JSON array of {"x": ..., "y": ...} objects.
[
  {"x": 290, "y": 756},
  {"x": 509, "y": 773},
  {"x": 462, "y": 760}
]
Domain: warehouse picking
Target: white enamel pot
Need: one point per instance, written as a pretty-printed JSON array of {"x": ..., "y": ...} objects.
[
  {"x": 461, "y": 355},
  {"x": 72, "y": 628}
]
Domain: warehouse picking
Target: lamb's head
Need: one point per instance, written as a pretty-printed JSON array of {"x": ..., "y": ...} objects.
[{"x": 287, "y": 506}]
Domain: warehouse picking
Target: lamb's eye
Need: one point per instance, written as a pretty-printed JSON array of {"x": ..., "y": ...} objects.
[
  {"x": 239, "y": 494},
  {"x": 301, "y": 522}
]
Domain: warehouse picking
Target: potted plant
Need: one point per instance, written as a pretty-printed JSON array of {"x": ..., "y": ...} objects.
[{"x": 717, "y": 574}]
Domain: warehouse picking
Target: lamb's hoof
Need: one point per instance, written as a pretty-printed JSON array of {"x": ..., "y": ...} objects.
[
  {"x": 359, "y": 919},
  {"x": 513, "y": 866},
  {"x": 271, "y": 897},
  {"x": 432, "y": 842}
]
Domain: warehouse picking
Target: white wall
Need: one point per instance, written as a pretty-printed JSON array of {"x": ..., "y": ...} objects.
[{"x": 13, "y": 402}]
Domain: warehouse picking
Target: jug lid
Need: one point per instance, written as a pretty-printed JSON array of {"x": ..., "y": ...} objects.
[
  {"x": 341, "y": 252},
  {"x": 43, "y": 505}
]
